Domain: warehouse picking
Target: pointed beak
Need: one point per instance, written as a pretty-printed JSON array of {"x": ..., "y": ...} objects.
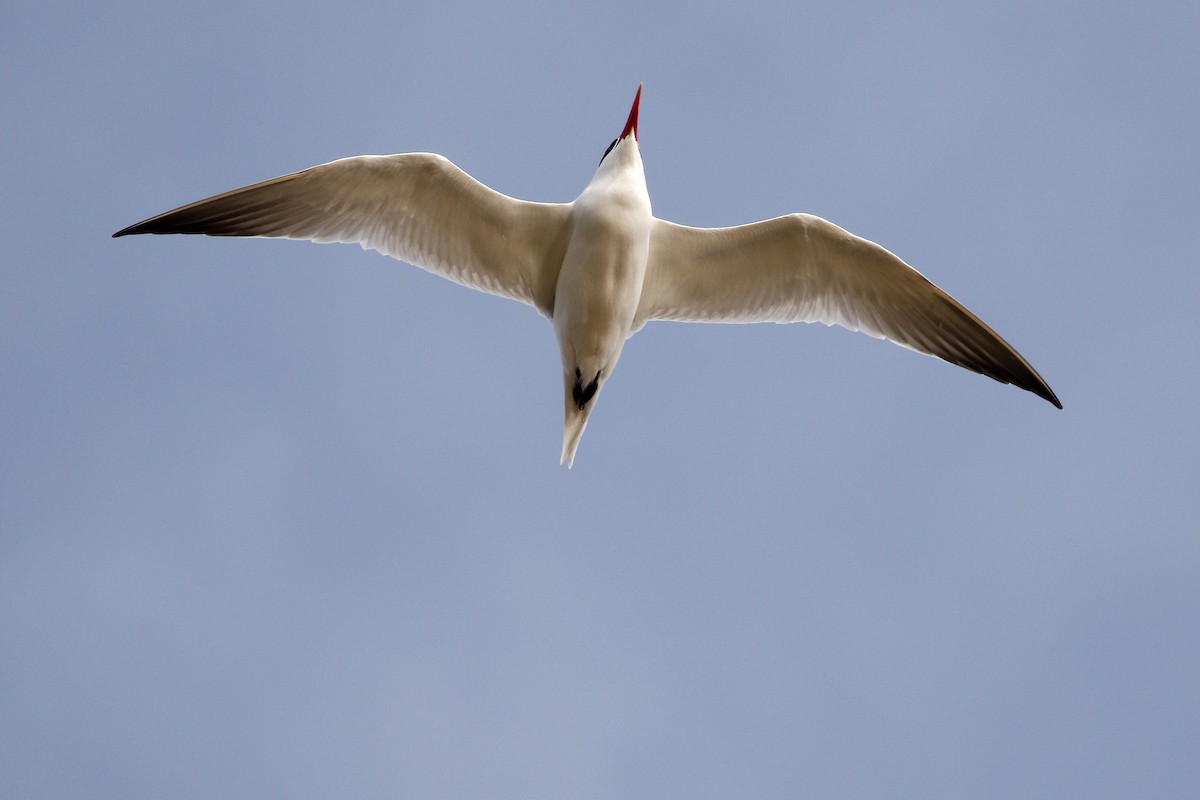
[{"x": 631, "y": 123}]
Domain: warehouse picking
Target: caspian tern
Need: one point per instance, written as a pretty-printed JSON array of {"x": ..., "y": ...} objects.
[{"x": 603, "y": 266}]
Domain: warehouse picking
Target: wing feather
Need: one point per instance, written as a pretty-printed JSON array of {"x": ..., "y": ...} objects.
[
  {"x": 416, "y": 207},
  {"x": 800, "y": 268}
]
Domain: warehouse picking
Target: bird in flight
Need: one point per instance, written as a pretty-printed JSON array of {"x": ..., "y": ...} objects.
[{"x": 602, "y": 266}]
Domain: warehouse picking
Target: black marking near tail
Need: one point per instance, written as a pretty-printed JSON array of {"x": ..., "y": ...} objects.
[{"x": 581, "y": 393}]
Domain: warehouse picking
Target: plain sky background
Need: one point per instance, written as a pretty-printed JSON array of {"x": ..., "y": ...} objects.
[{"x": 280, "y": 520}]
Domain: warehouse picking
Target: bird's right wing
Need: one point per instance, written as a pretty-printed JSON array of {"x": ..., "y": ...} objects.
[
  {"x": 417, "y": 207},
  {"x": 800, "y": 268}
]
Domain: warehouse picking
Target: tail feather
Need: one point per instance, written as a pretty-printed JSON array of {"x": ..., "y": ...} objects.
[
  {"x": 575, "y": 420},
  {"x": 572, "y": 434}
]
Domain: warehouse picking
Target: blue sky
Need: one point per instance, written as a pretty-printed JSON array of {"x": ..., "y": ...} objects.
[{"x": 286, "y": 520}]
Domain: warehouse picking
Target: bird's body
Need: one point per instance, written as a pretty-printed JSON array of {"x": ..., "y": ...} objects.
[
  {"x": 602, "y": 266},
  {"x": 600, "y": 283}
]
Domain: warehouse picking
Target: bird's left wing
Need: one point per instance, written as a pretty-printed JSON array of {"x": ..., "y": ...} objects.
[
  {"x": 417, "y": 207},
  {"x": 800, "y": 268}
]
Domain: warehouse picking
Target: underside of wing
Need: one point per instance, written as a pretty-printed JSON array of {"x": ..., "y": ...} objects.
[
  {"x": 800, "y": 268},
  {"x": 417, "y": 207}
]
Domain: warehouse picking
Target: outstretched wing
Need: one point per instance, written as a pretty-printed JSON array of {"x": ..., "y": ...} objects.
[
  {"x": 800, "y": 268},
  {"x": 417, "y": 207}
]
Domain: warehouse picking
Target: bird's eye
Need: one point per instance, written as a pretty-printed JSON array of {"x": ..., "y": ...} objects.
[{"x": 609, "y": 150}]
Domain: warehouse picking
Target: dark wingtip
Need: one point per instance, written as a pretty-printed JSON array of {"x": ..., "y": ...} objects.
[{"x": 1046, "y": 393}]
